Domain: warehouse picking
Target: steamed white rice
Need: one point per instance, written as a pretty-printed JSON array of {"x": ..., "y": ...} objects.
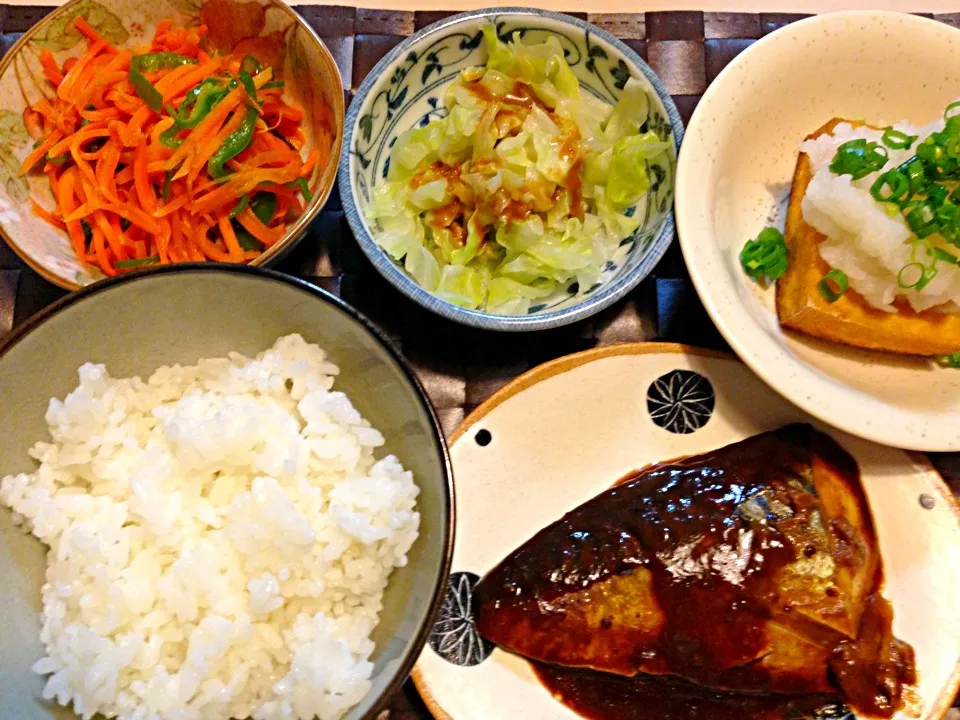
[
  {"x": 869, "y": 245},
  {"x": 220, "y": 538}
]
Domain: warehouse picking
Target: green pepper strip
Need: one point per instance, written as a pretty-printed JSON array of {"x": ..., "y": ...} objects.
[
  {"x": 247, "y": 81},
  {"x": 169, "y": 137},
  {"x": 250, "y": 65},
  {"x": 301, "y": 185},
  {"x": 167, "y": 180},
  {"x": 137, "y": 262},
  {"x": 200, "y": 101},
  {"x": 264, "y": 206},
  {"x": 241, "y": 205},
  {"x": 235, "y": 144},
  {"x": 150, "y": 62},
  {"x": 245, "y": 239}
]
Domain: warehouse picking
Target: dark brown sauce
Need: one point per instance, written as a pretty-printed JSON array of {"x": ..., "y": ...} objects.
[
  {"x": 602, "y": 696},
  {"x": 697, "y": 550}
]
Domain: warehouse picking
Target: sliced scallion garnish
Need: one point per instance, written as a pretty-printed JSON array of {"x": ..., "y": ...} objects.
[
  {"x": 766, "y": 256},
  {"x": 897, "y": 140},
  {"x": 833, "y": 285},
  {"x": 858, "y": 158}
]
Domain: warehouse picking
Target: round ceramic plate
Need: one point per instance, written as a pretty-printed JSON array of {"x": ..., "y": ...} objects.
[
  {"x": 567, "y": 430},
  {"x": 734, "y": 177}
]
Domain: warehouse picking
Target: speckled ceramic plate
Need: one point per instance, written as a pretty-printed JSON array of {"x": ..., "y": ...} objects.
[
  {"x": 734, "y": 177},
  {"x": 567, "y": 430},
  {"x": 312, "y": 82}
]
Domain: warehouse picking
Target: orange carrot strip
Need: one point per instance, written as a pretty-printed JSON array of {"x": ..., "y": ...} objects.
[
  {"x": 34, "y": 157},
  {"x": 171, "y": 86},
  {"x": 134, "y": 214},
  {"x": 70, "y": 80},
  {"x": 45, "y": 214},
  {"x": 134, "y": 130},
  {"x": 267, "y": 235},
  {"x": 310, "y": 164},
  {"x": 230, "y": 239},
  {"x": 172, "y": 206},
  {"x": 111, "y": 233},
  {"x": 103, "y": 259},
  {"x": 106, "y": 172},
  {"x": 86, "y": 30},
  {"x": 50, "y": 68},
  {"x": 88, "y": 132},
  {"x": 145, "y": 192},
  {"x": 204, "y": 152}
]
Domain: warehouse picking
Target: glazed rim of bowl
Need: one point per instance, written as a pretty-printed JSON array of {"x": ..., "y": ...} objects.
[
  {"x": 402, "y": 669},
  {"x": 324, "y": 184},
  {"x": 408, "y": 286},
  {"x": 818, "y": 393}
]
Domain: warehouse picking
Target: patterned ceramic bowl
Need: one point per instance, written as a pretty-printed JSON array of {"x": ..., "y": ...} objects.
[
  {"x": 406, "y": 88},
  {"x": 312, "y": 82}
]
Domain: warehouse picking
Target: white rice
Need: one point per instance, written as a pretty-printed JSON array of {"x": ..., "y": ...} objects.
[
  {"x": 862, "y": 239},
  {"x": 220, "y": 538}
]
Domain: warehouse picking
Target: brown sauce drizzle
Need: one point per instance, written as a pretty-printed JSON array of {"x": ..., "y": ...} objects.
[
  {"x": 455, "y": 215},
  {"x": 714, "y": 571},
  {"x": 603, "y": 696}
]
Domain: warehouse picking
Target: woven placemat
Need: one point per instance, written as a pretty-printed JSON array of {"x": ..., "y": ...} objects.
[{"x": 460, "y": 367}]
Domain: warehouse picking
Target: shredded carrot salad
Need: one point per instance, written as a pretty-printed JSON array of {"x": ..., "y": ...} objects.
[{"x": 172, "y": 154}]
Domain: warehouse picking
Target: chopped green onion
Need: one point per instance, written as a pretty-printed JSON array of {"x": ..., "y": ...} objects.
[
  {"x": 858, "y": 158},
  {"x": 833, "y": 285},
  {"x": 87, "y": 231},
  {"x": 766, "y": 256},
  {"x": 923, "y": 274},
  {"x": 891, "y": 186},
  {"x": 137, "y": 262},
  {"x": 124, "y": 224},
  {"x": 273, "y": 84},
  {"x": 950, "y": 361},
  {"x": 945, "y": 256},
  {"x": 922, "y": 219},
  {"x": 149, "y": 62},
  {"x": 897, "y": 140},
  {"x": 241, "y": 205},
  {"x": 301, "y": 185},
  {"x": 59, "y": 160}
]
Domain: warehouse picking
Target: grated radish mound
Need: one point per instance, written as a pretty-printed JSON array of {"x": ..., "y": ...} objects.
[
  {"x": 220, "y": 538},
  {"x": 869, "y": 245}
]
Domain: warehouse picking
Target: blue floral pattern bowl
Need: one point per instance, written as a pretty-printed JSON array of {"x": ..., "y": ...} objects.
[{"x": 406, "y": 89}]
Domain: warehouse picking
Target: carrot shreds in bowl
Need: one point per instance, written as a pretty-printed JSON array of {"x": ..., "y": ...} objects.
[{"x": 172, "y": 153}]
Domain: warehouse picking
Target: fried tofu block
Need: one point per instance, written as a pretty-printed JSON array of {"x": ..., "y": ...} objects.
[{"x": 850, "y": 320}]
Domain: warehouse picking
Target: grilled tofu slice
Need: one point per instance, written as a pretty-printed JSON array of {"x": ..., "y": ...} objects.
[{"x": 849, "y": 320}]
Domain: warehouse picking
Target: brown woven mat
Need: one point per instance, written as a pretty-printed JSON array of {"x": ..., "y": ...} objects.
[{"x": 460, "y": 367}]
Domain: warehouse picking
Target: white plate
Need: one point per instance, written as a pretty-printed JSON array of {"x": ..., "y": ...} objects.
[
  {"x": 734, "y": 177},
  {"x": 567, "y": 430}
]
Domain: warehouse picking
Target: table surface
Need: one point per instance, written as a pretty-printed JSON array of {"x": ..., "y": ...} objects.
[{"x": 460, "y": 367}]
